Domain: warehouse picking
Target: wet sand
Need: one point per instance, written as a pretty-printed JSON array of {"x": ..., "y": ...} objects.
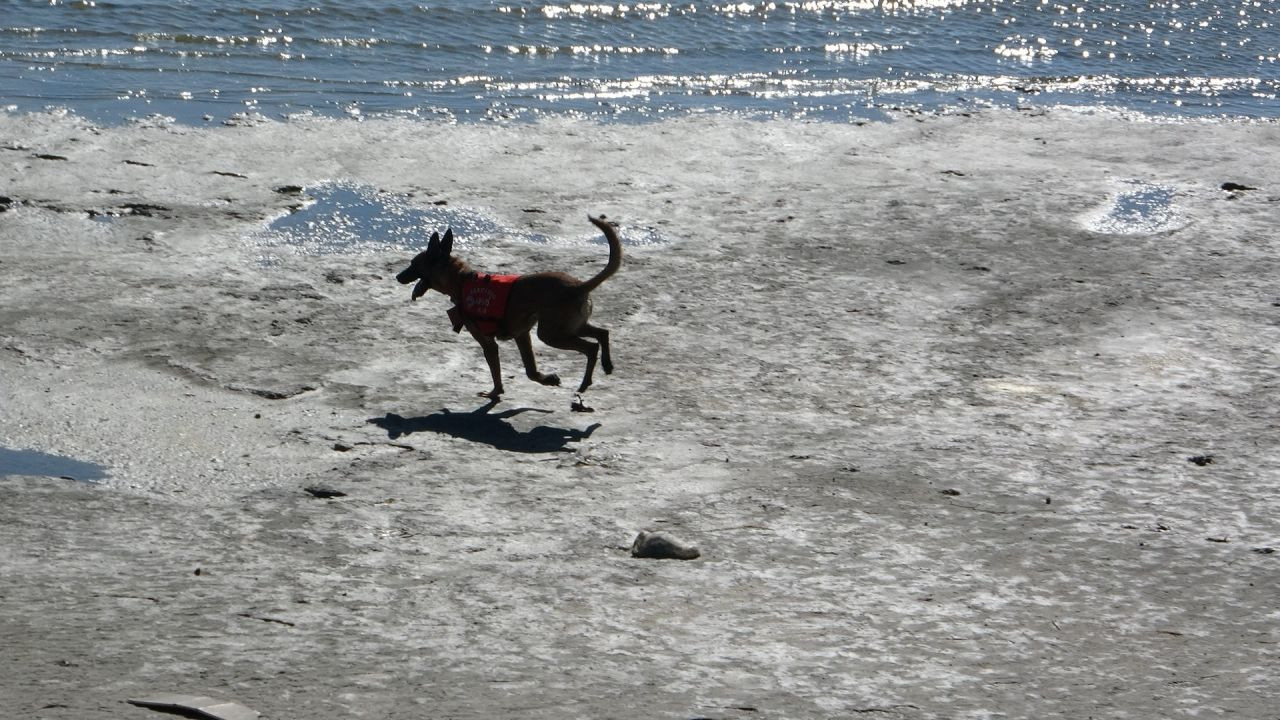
[{"x": 956, "y": 437}]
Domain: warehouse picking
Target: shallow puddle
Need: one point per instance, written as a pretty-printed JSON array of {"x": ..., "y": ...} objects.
[
  {"x": 1138, "y": 208},
  {"x": 32, "y": 462},
  {"x": 349, "y": 218}
]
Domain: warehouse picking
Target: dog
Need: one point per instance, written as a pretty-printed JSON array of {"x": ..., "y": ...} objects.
[{"x": 557, "y": 303}]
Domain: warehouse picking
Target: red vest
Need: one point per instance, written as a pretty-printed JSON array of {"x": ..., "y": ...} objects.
[{"x": 483, "y": 302}]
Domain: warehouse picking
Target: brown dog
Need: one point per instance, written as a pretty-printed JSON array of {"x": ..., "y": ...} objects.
[{"x": 558, "y": 304}]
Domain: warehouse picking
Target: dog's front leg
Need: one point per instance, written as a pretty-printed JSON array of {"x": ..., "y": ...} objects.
[
  {"x": 490, "y": 348},
  {"x": 531, "y": 364}
]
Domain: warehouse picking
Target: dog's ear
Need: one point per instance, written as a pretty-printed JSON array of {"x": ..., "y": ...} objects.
[
  {"x": 433, "y": 245},
  {"x": 446, "y": 248}
]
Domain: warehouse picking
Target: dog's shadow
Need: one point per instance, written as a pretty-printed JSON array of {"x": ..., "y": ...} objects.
[{"x": 482, "y": 426}]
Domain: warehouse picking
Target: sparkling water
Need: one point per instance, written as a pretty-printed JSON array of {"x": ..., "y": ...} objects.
[{"x": 196, "y": 61}]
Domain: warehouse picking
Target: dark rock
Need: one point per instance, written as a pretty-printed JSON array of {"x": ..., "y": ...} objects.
[
  {"x": 324, "y": 492},
  {"x": 661, "y": 546},
  {"x": 1201, "y": 460},
  {"x": 1236, "y": 187},
  {"x": 952, "y": 492},
  {"x": 47, "y": 156},
  {"x": 289, "y": 189},
  {"x": 145, "y": 209}
]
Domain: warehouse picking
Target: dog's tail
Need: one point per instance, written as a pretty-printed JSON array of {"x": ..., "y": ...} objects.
[{"x": 615, "y": 253}]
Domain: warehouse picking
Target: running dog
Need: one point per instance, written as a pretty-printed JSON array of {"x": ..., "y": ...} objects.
[{"x": 506, "y": 307}]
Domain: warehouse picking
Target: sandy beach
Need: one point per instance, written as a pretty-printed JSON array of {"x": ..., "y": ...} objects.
[{"x": 971, "y": 416}]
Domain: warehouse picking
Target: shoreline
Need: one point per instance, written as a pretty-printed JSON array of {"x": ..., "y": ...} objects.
[{"x": 932, "y": 435}]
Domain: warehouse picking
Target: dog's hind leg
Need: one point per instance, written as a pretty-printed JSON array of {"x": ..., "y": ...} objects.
[
  {"x": 531, "y": 364},
  {"x": 573, "y": 342},
  {"x": 601, "y": 336}
]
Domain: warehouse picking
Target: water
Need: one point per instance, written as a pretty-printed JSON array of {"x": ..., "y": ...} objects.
[
  {"x": 348, "y": 217},
  {"x": 466, "y": 60},
  {"x": 1137, "y": 208},
  {"x": 32, "y": 462}
]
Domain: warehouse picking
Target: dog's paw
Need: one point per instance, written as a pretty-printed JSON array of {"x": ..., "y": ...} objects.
[
  {"x": 551, "y": 379},
  {"x": 606, "y": 366}
]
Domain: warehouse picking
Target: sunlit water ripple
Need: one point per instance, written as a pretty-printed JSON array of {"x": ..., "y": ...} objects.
[{"x": 467, "y": 60}]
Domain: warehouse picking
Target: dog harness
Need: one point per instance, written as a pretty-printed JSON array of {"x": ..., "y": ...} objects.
[{"x": 483, "y": 302}]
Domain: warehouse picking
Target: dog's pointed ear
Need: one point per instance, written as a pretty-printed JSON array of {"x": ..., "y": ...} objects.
[
  {"x": 433, "y": 245},
  {"x": 446, "y": 248}
]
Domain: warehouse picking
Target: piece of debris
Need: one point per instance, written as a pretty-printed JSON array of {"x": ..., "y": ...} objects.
[
  {"x": 48, "y": 156},
  {"x": 1201, "y": 460},
  {"x": 342, "y": 447},
  {"x": 272, "y": 393},
  {"x": 952, "y": 492},
  {"x": 145, "y": 209},
  {"x": 224, "y": 173},
  {"x": 661, "y": 546},
  {"x": 324, "y": 492},
  {"x": 1236, "y": 187},
  {"x": 266, "y": 619},
  {"x": 196, "y": 706},
  {"x": 289, "y": 189},
  {"x": 1265, "y": 550},
  {"x": 1218, "y": 539}
]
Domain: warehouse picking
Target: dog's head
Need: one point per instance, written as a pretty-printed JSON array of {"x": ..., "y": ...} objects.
[{"x": 425, "y": 265}]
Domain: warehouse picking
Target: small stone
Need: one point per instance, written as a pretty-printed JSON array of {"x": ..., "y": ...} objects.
[
  {"x": 342, "y": 447},
  {"x": 324, "y": 492},
  {"x": 1201, "y": 460},
  {"x": 951, "y": 492},
  {"x": 661, "y": 546},
  {"x": 1236, "y": 187}
]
